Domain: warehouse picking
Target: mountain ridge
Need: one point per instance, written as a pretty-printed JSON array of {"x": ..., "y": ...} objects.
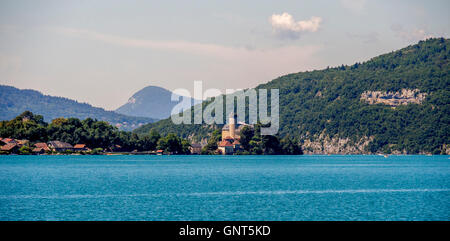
[
  {"x": 323, "y": 109},
  {"x": 15, "y": 101},
  {"x": 151, "y": 101}
]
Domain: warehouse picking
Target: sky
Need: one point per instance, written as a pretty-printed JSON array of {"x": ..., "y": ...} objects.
[{"x": 102, "y": 52}]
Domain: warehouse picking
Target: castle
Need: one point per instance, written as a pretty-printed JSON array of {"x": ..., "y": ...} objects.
[{"x": 231, "y": 135}]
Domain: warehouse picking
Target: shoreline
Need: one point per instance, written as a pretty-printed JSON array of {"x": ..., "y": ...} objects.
[{"x": 151, "y": 154}]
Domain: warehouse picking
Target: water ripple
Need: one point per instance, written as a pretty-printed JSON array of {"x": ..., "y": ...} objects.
[{"x": 231, "y": 193}]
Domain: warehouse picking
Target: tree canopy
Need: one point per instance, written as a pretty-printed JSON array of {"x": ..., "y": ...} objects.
[{"x": 327, "y": 102}]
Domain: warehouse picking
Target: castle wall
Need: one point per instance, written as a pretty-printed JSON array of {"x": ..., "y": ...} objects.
[{"x": 225, "y": 133}]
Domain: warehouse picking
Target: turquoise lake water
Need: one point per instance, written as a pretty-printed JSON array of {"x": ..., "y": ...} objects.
[{"x": 224, "y": 188}]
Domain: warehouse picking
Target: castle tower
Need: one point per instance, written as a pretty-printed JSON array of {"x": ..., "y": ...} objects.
[{"x": 232, "y": 125}]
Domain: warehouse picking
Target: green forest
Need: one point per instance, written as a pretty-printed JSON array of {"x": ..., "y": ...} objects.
[
  {"x": 328, "y": 102},
  {"x": 101, "y": 136},
  {"x": 16, "y": 101},
  {"x": 93, "y": 133}
]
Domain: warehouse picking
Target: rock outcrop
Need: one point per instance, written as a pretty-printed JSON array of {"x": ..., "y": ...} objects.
[
  {"x": 393, "y": 99},
  {"x": 324, "y": 144}
]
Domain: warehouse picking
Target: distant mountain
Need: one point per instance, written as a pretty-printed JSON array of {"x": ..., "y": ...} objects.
[
  {"x": 151, "y": 101},
  {"x": 14, "y": 101},
  {"x": 398, "y": 102}
]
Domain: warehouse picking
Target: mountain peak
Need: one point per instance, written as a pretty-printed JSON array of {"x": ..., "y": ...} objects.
[
  {"x": 15, "y": 101},
  {"x": 151, "y": 101}
]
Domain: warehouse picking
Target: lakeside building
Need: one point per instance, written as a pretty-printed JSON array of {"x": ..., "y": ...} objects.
[
  {"x": 38, "y": 151},
  {"x": 226, "y": 147},
  {"x": 10, "y": 148},
  {"x": 196, "y": 149},
  {"x": 60, "y": 146},
  {"x": 42, "y": 145},
  {"x": 8, "y": 140},
  {"x": 41, "y": 148},
  {"x": 22, "y": 142},
  {"x": 81, "y": 147},
  {"x": 231, "y": 135},
  {"x": 10, "y": 145},
  {"x": 233, "y": 128}
]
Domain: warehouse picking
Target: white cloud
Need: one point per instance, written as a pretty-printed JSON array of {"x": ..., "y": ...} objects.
[
  {"x": 355, "y": 6},
  {"x": 284, "y": 25}
]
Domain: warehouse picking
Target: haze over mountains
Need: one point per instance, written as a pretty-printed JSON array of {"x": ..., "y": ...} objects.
[
  {"x": 151, "y": 101},
  {"x": 147, "y": 105},
  {"x": 14, "y": 101},
  {"x": 394, "y": 103}
]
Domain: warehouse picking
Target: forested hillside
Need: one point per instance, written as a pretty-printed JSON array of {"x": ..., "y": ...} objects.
[
  {"x": 394, "y": 103},
  {"x": 14, "y": 101}
]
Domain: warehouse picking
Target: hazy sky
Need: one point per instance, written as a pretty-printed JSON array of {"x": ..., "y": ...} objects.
[{"x": 101, "y": 52}]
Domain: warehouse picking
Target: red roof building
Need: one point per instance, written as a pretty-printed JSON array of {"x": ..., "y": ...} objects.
[
  {"x": 10, "y": 148},
  {"x": 22, "y": 142},
  {"x": 8, "y": 140},
  {"x": 225, "y": 143},
  {"x": 226, "y": 147},
  {"x": 80, "y": 147},
  {"x": 196, "y": 148},
  {"x": 38, "y": 150},
  {"x": 60, "y": 146},
  {"x": 42, "y": 145}
]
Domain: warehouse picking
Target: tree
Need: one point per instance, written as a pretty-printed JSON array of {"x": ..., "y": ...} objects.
[
  {"x": 328, "y": 102},
  {"x": 185, "y": 147},
  {"x": 96, "y": 151},
  {"x": 152, "y": 140},
  {"x": 289, "y": 147},
  {"x": 170, "y": 143},
  {"x": 25, "y": 150},
  {"x": 212, "y": 146},
  {"x": 93, "y": 133},
  {"x": 271, "y": 145},
  {"x": 246, "y": 135}
]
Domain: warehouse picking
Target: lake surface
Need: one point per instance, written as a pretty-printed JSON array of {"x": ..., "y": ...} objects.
[{"x": 224, "y": 188}]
